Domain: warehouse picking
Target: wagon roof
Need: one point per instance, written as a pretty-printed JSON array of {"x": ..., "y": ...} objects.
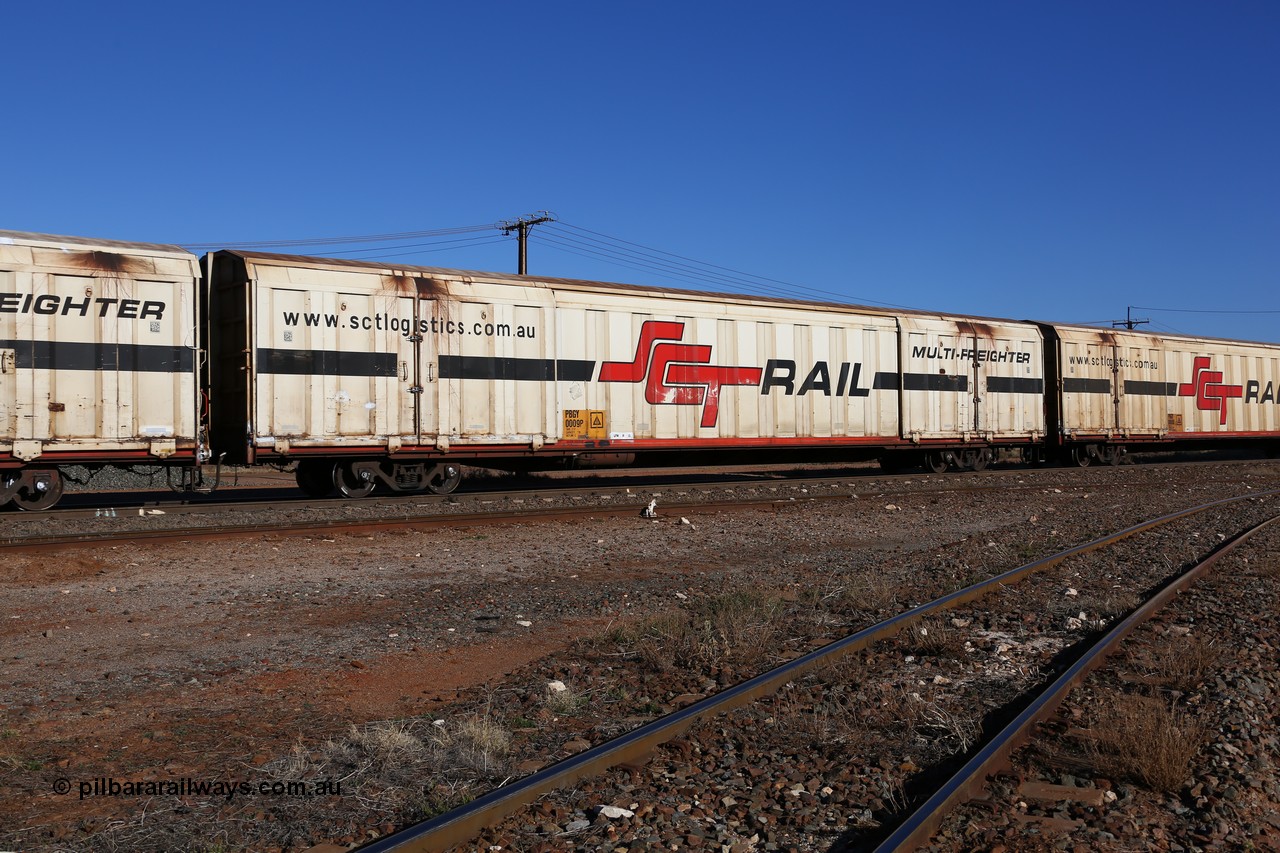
[
  {"x": 55, "y": 241},
  {"x": 1108, "y": 334},
  {"x": 586, "y": 284}
]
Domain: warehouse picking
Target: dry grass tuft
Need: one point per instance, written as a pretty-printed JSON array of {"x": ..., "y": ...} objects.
[
  {"x": 934, "y": 638},
  {"x": 472, "y": 745},
  {"x": 1187, "y": 664},
  {"x": 1145, "y": 739},
  {"x": 740, "y": 628},
  {"x": 872, "y": 592},
  {"x": 1109, "y": 603},
  {"x": 821, "y": 723},
  {"x": 1268, "y": 566},
  {"x": 566, "y": 702},
  {"x": 392, "y": 764}
]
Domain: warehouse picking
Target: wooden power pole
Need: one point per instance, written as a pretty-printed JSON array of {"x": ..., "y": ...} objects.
[{"x": 521, "y": 226}]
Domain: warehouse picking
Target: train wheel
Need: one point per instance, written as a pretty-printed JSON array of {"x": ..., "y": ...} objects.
[
  {"x": 978, "y": 460},
  {"x": 352, "y": 482},
  {"x": 936, "y": 461},
  {"x": 314, "y": 477},
  {"x": 1080, "y": 456},
  {"x": 44, "y": 493},
  {"x": 444, "y": 479},
  {"x": 1109, "y": 454},
  {"x": 7, "y": 481}
]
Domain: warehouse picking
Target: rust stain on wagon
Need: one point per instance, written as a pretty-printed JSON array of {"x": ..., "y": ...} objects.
[
  {"x": 397, "y": 284},
  {"x": 107, "y": 262},
  {"x": 979, "y": 330}
]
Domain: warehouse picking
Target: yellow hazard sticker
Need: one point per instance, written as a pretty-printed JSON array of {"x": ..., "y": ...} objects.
[{"x": 584, "y": 424}]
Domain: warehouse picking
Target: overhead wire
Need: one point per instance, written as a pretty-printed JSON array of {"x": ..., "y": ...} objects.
[
  {"x": 477, "y": 242},
  {"x": 618, "y": 250},
  {"x": 438, "y": 246},
  {"x": 558, "y": 236},
  {"x": 337, "y": 241},
  {"x": 1203, "y": 310}
]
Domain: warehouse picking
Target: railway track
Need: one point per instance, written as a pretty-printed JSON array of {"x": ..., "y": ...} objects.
[
  {"x": 261, "y": 489},
  {"x": 324, "y": 643},
  {"x": 892, "y": 825},
  {"x": 108, "y": 522}
]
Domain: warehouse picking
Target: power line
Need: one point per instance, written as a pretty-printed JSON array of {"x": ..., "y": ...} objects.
[
  {"x": 442, "y": 246},
  {"x": 616, "y": 247},
  {"x": 560, "y": 236},
  {"x": 336, "y": 241},
  {"x": 478, "y": 241},
  {"x": 1205, "y": 310}
]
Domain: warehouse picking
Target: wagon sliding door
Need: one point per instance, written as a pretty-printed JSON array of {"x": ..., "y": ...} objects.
[
  {"x": 498, "y": 372},
  {"x": 971, "y": 380},
  {"x": 937, "y": 387},
  {"x": 336, "y": 367}
]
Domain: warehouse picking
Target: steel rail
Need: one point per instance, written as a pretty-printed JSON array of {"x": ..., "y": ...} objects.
[
  {"x": 91, "y": 504},
  {"x": 441, "y": 518},
  {"x": 920, "y": 826},
  {"x": 464, "y": 823},
  {"x": 393, "y": 500},
  {"x": 367, "y": 525}
]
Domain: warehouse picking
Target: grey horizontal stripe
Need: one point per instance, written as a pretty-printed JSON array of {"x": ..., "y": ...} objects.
[
  {"x": 1015, "y": 385},
  {"x": 1142, "y": 388},
  {"x": 934, "y": 382},
  {"x": 317, "y": 362},
  {"x": 1086, "y": 386},
  {"x": 519, "y": 369},
  {"x": 70, "y": 355}
]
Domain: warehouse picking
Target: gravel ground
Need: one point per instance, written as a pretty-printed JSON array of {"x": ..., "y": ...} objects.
[
  {"x": 275, "y": 658},
  {"x": 827, "y": 762},
  {"x": 1207, "y": 778}
]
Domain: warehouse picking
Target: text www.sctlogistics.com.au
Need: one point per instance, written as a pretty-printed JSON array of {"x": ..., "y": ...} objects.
[{"x": 227, "y": 789}]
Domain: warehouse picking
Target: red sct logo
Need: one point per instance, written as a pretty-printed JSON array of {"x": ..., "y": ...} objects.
[
  {"x": 675, "y": 373},
  {"x": 1208, "y": 389}
]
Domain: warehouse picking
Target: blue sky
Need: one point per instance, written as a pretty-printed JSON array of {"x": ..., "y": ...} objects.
[{"x": 1057, "y": 161}]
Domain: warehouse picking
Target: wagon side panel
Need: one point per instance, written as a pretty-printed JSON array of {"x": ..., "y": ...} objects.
[{"x": 97, "y": 350}]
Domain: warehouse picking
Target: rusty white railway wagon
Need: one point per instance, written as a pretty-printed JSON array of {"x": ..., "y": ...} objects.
[
  {"x": 97, "y": 359},
  {"x": 1122, "y": 389},
  {"x": 368, "y": 373}
]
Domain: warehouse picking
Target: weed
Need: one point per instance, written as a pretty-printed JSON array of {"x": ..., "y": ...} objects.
[
  {"x": 1145, "y": 739},
  {"x": 817, "y": 723},
  {"x": 1186, "y": 666},
  {"x": 1108, "y": 603},
  {"x": 565, "y": 702},
  {"x": 934, "y": 638},
  {"x": 1269, "y": 567},
  {"x": 951, "y": 727},
  {"x": 475, "y": 744},
  {"x": 871, "y": 592},
  {"x": 740, "y": 627}
]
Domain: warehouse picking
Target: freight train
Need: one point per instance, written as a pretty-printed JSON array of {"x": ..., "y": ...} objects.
[{"x": 368, "y": 376}]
